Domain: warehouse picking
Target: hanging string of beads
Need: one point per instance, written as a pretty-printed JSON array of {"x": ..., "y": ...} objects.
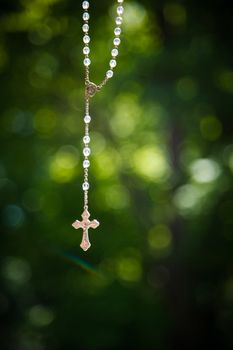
[
  {"x": 90, "y": 87},
  {"x": 90, "y": 90}
]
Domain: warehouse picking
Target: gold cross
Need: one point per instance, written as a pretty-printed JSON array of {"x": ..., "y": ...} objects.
[{"x": 85, "y": 224}]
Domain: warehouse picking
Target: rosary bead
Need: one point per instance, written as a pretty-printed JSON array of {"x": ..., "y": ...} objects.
[
  {"x": 86, "y": 50},
  {"x": 86, "y": 139},
  {"x": 86, "y": 16},
  {"x": 119, "y": 20},
  {"x": 112, "y": 63},
  {"x": 85, "y": 186},
  {"x": 86, "y": 151},
  {"x": 117, "y": 31},
  {"x": 114, "y": 52},
  {"x": 120, "y": 10},
  {"x": 86, "y": 39},
  {"x": 86, "y": 163},
  {"x": 85, "y": 5},
  {"x": 86, "y": 62},
  {"x": 109, "y": 73},
  {"x": 85, "y": 27},
  {"x": 87, "y": 119},
  {"x": 116, "y": 41}
]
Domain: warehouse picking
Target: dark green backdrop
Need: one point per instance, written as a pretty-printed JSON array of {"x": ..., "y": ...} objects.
[{"x": 159, "y": 272}]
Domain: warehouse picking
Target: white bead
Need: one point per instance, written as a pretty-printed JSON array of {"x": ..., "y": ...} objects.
[
  {"x": 86, "y": 39},
  {"x": 85, "y": 5},
  {"x": 116, "y": 41},
  {"x": 87, "y": 119},
  {"x": 86, "y": 16},
  {"x": 86, "y": 62},
  {"x": 109, "y": 73},
  {"x": 112, "y": 63},
  {"x": 85, "y": 27},
  {"x": 120, "y": 1},
  {"x": 86, "y": 139},
  {"x": 117, "y": 31},
  {"x": 114, "y": 52},
  {"x": 85, "y": 186},
  {"x": 120, "y": 10},
  {"x": 86, "y": 151},
  {"x": 86, "y": 50},
  {"x": 119, "y": 20},
  {"x": 86, "y": 163}
]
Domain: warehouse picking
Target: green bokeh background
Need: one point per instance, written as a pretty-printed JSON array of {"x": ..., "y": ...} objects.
[{"x": 159, "y": 272}]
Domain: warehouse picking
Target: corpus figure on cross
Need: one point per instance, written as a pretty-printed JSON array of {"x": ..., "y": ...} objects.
[{"x": 85, "y": 224}]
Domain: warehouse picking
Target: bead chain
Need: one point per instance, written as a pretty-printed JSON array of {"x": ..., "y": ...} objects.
[{"x": 88, "y": 84}]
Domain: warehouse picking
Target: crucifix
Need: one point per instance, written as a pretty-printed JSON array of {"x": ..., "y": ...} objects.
[{"x": 85, "y": 224}]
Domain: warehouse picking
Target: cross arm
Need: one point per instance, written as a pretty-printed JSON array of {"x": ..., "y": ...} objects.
[
  {"x": 77, "y": 224},
  {"x": 94, "y": 224}
]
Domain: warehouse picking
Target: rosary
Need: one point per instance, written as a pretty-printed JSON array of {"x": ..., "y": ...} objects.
[{"x": 90, "y": 91}]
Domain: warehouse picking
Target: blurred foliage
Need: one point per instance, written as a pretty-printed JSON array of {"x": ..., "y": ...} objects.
[{"x": 159, "y": 272}]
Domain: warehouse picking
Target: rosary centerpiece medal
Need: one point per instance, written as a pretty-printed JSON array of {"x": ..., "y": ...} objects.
[{"x": 90, "y": 90}]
